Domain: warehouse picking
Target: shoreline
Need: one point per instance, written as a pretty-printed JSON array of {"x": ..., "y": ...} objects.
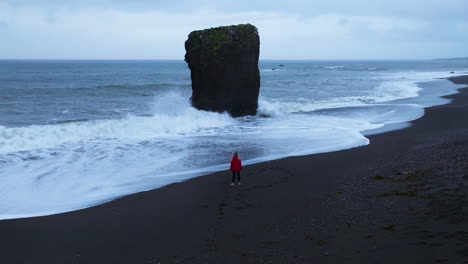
[{"x": 282, "y": 213}]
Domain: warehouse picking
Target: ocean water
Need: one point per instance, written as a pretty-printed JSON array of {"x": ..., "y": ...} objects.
[{"x": 74, "y": 134}]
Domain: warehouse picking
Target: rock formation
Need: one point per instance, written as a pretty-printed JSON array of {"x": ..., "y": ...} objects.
[{"x": 224, "y": 69}]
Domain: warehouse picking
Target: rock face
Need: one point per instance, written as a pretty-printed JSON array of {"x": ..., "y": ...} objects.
[{"x": 224, "y": 69}]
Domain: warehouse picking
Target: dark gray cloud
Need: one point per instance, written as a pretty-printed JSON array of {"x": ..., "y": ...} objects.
[
  {"x": 447, "y": 9},
  {"x": 333, "y": 29}
]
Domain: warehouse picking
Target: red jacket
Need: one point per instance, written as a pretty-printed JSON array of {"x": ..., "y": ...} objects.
[{"x": 236, "y": 164}]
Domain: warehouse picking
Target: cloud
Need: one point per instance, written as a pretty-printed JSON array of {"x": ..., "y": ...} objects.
[{"x": 116, "y": 33}]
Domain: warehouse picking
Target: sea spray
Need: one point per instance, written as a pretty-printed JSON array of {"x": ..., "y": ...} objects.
[{"x": 173, "y": 116}]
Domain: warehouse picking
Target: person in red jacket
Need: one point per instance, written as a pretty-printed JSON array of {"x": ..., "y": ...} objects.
[{"x": 236, "y": 167}]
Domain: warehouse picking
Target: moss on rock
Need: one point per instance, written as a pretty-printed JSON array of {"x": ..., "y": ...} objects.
[{"x": 213, "y": 40}]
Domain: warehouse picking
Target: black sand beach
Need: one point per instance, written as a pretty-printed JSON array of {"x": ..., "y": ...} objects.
[{"x": 401, "y": 199}]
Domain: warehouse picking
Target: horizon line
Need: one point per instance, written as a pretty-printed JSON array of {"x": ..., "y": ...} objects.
[{"x": 283, "y": 59}]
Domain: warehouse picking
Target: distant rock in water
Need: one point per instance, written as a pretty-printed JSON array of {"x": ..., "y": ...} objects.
[{"x": 224, "y": 69}]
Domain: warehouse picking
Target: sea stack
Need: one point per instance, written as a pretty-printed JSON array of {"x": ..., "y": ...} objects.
[{"x": 223, "y": 62}]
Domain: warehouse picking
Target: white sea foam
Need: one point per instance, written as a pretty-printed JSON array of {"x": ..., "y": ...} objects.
[
  {"x": 394, "y": 90},
  {"x": 334, "y": 67},
  {"x": 276, "y": 108},
  {"x": 173, "y": 116},
  {"x": 400, "y": 85}
]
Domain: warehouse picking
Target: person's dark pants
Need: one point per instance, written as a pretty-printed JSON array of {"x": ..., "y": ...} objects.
[{"x": 234, "y": 176}]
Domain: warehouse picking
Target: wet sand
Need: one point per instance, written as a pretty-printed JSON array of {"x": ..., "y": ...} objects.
[{"x": 401, "y": 199}]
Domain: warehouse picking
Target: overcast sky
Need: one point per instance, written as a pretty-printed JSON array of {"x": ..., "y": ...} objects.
[{"x": 289, "y": 29}]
